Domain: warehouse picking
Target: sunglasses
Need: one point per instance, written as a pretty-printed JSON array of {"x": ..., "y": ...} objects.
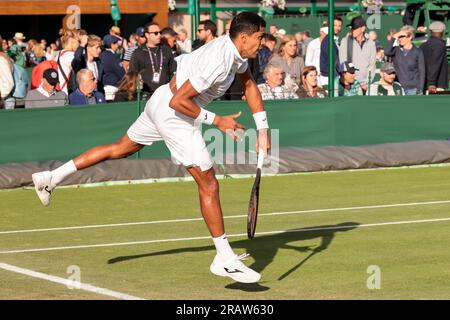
[
  {"x": 200, "y": 30},
  {"x": 155, "y": 32}
]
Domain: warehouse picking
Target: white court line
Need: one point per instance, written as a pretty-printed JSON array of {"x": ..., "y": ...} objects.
[
  {"x": 231, "y": 235},
  {"x": 228, "y": 217},
  {"x": 67, "y": 282}
]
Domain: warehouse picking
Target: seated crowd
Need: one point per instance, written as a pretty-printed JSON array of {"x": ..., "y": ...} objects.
[{"x": 84, "y": 69}]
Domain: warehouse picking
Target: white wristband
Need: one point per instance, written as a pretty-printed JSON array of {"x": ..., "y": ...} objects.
[
  {"x": 206, "y": 117},
  {"x": 261, "y": 120}
]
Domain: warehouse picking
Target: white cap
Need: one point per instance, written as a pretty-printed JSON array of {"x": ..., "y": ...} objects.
[
  {"x": 437, "y": 26},
  {"x": 282, "y": 32}
]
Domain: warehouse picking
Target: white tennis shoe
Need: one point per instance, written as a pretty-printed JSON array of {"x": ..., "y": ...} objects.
[
  {"x": 42, "y": 184},
  {"x": 235, "y": 269}
]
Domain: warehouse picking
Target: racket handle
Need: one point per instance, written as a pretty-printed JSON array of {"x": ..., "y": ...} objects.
[{"x": 260, "y": 158}]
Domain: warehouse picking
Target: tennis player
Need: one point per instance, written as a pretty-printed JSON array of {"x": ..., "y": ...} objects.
[{"x": 175, "y": 113}]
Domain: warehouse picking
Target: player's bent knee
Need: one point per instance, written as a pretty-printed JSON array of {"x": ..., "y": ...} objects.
[{"x": 210, "y": 184}]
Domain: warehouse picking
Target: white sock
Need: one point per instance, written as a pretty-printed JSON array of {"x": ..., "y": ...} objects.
[
  {"x": 223, "y": 247},
  {"x": 60, "y": 173}
]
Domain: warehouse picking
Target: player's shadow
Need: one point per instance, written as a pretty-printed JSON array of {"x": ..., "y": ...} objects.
[{"x": 265, "y": 247}]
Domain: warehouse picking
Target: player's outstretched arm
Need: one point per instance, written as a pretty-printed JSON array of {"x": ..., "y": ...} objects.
[
  {"x": 256, "y": 104},
  {"x": 182, "y": 101}
]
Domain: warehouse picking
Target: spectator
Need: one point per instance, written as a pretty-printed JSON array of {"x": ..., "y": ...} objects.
[
  {"x": 86, "y": 92},
  {"x": 140, "y": 40},
  {"x": 4, "y": 45},
  {"x": 290, "y": 63},
  {"x": 301, "y": 50},
  {"x": 46, "y": 95},
  {"x": 123, "y": 45},
  {"x": 154, "y": 62},
  {"x": 346, "y": 84},
  {"x": 273, "y": 88},
  {"x": 87, "y": 56},
  {"x": 206, "y": 32},
  {"x": 128, "y": 87},
  {"x": 169, "y": 38},
  {"x": 324, "y": 52},
  {"x": 183, "y": 41},
  {"x": 35, "y": 54},
  {"x": 435, "y": 56},
  {"x": 306, "y": 39},
  {"x": 51, "y": 52},
  {"x": 113, "y": 70},
  {"x": 17, "y": 50},
  {"x": 309, "y": 87},
  {"x": 360, "y": 51},
  {"x": 6, "y": 76},
  {"x": 408, "y": 61},
  {"x": 43, "y": 44},
  {"x": 132, "y": 40},
  {"x": 264, "y": 55},
  {"x": 65, "y": 57},
  {"x": 387, "y": 85},
  {"x": 313, "y": 49},
  {"x": 273, "y": 29},
  {"x": 378, "y": 63}
]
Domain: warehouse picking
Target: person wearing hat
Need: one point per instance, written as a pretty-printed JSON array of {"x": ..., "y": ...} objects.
[
  {"x": 435, "y": 56},
  {"x": 359, "y": 50},
  {"x": 140, "y": 40},
  {"x": 408, "y": 60},
  {"x": 17, "y": 50},
  {"x": 387, "y": 86},
  {"x": 123, "y": 44},
  {"x": 113, "y": 70},
  {"x": 45, "y": 95},
  {"x": 346, "y": 84}
]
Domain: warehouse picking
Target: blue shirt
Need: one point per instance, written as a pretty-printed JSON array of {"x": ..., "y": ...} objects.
[{"x": 78, "y": 98}]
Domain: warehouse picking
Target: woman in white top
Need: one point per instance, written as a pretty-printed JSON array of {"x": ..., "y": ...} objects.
[{"x": 70, "y": 44}]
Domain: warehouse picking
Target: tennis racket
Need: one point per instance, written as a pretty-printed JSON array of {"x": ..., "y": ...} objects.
[{"x": 254, "y": 198}]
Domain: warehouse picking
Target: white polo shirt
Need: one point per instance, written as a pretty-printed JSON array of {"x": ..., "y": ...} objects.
[{"x": 210, "y": 69}]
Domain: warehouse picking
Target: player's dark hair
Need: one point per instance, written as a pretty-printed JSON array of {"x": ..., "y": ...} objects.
[
  {"x": 209, "y": 25},
  {"x": 247, "y": 22}
]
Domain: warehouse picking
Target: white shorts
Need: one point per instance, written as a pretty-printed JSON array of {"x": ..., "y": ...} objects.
[{"x": 182, "y": 135}]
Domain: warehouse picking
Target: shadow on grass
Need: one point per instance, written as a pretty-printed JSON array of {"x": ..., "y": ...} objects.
[{"x": 264, "y": 248}]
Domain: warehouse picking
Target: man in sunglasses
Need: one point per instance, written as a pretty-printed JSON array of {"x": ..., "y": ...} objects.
[
  {"x": 155, "y": 62},
  {"x": 175, "y": 114},
  {"x": 206, "y": 32}
]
